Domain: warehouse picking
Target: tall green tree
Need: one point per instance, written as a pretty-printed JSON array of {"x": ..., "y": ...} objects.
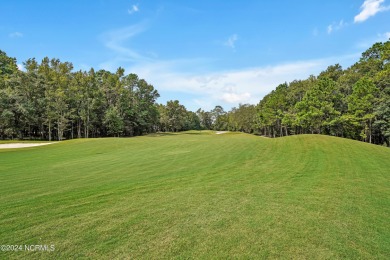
[
  {"x": 113, "y": 122},
  {"x": 361, "y": 105},
  {"x": 316, "y": 110},
  {"x": 205, "y": 119}
]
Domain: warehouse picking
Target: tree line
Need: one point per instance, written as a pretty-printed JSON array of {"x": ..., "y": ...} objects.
[
  {"x": 352, "y": 103},
  {"x": 48, "y": 100}
]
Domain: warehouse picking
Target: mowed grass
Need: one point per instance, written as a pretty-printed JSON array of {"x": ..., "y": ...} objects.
[{"x": 197, "y": 195}]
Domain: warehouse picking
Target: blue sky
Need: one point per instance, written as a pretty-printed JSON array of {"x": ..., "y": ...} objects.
[{"x": 203, "y": 53}]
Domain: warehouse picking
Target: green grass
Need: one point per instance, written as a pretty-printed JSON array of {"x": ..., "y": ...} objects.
[{"x": 198, "y": 195}]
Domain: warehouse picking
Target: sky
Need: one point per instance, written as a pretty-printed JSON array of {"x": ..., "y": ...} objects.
[{"x": 203, "y": 53}]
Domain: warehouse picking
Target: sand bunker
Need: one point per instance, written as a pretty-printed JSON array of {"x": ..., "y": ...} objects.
[
  {"x": 221, "y": 132},
  {"x": 21, "y": 145}
]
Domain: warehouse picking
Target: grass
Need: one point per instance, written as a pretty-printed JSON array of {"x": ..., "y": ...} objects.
[{"x": 197, "y": 195}]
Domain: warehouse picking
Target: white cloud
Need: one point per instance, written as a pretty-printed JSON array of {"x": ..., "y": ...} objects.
[
  {"x": 231, "y": 41},
  {"x": 133, "y": 9},
  {"x": 370, "y": 8},
  {"x": 226, "y": 88},
  {"x": 177, "y": 78},
  {"x": 16, "y": 35},
  {"x": 335, "y": 26},
  {"x": 329, "y": 29},
  {"x": 20, "y": 67},
  {"x": 385, "y": 36},
  {"x": 234, "y": 98},
  {"x": 116, "y": 41}
]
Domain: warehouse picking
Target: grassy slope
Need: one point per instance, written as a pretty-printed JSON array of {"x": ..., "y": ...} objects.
[{"x": 191, "y": 195}]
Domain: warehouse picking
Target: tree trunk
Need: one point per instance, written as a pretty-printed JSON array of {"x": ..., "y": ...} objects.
[
  {"x": 49, "y": 130},
  {"x": 42, "y": 131},
  {"x": 58, "y": 131},
  {"x": 79, "y": 128},
  {"x": 87, "y": 124},
  {"x": 281, "y": 130},
  {"x": 370, "y": 131}
]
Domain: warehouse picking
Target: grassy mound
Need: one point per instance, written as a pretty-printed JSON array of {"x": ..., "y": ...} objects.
[{"x": 197, "y": 195}]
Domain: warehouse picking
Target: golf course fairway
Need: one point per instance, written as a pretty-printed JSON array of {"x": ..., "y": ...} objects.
[{"x": 196, "y": 195}]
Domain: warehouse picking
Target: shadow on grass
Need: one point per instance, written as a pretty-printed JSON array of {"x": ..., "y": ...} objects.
[
  {"x": 177, "y": 133},
  {"x": 192, "y": 133},
  {"x": 160, "y": 134}
]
